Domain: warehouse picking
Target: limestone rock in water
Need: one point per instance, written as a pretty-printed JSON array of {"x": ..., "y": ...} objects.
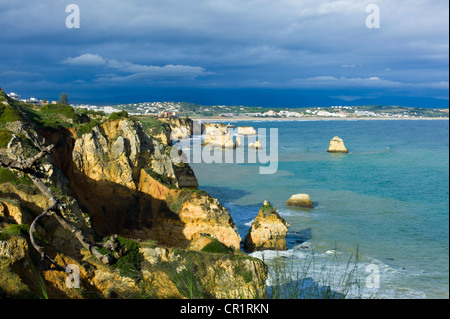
[
  {"x": 256, "y": 145},
  {"x": 180, "y": 128},
  {"x": 218, "y": 136},
  {"x": 246, "y": 130},
  {"x": 180, "y": 133},
  {"x": 300, "y": 200},
  {"x": 268, "y": 231},
  {"x": 238, "y": 141},
  {"x": 337, "y": 146}
]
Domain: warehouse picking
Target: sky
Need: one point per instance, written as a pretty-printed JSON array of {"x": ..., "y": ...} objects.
[{"x": 279, "y": 53}]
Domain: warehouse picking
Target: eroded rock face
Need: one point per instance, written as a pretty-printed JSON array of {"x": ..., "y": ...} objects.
[
  {"x": 180, "y": 128},
  {"x": 300, "y": 200},
  {"x": 123, "y": 181},
  {"x": 161, "y": 272},
  {"x": 337, "y": 146},
  {"x": 247, "y": 130},
  {"x": 130, "y": 184},
  {"x": 219, "y": 136},
  {"x": 267, "y": 232}
]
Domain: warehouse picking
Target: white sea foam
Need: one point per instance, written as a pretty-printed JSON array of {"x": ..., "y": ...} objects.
[
  {"x": 249, "y": 223},
  {"x": 326, "y": 269}
]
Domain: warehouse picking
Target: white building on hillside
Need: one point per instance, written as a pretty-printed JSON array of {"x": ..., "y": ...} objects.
[{"x": 14, "y": 96}]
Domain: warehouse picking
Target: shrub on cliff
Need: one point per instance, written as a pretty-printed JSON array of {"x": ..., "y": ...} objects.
[
  {"x": 118, "y": 115},
  {"x": 153, "y": 125},
  {"x": 217, "y": 247},
  {"x": 128, "y": 265},
  {"x": 5, "y": 137},
  {"x": 9, "y": 114},
  {"x": 86, "y": 128}
]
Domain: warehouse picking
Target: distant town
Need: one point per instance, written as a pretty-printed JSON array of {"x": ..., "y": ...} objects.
[{"x": 192, "y": 110}]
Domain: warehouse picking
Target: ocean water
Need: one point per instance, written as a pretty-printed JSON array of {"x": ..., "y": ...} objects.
[{"x": 388, "y": 198}]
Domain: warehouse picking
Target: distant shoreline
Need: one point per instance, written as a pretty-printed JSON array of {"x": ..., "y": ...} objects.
[{"x": 282, "y": 119}]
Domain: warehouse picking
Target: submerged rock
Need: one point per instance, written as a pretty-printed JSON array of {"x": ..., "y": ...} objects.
[
  {"x": 300, "y": 200},
  {"x": 337, "y": 146},
  {"x": 267, "y": 232}
]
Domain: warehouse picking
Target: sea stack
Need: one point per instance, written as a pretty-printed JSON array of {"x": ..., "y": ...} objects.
[
  {"x": 337, "y": 146},
  {"x": 218, "y": 136},
  {"x": 268, "y": 231},
  {"x": 300, "y": 200},
  {"x": 256, "y": 145},
  {"x": 246, "y": 130}
]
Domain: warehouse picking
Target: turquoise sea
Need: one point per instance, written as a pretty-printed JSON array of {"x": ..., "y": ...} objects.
[{"x": 388, "y": 198}]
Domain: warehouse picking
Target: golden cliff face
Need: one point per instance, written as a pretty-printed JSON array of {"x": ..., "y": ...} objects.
[
  {"x": 128, "y": 183},
  {"x": 116, "y": 179}
]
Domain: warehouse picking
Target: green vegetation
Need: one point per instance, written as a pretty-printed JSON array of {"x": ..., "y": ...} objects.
[
  {"x": 28, "y": 148},
  {"x": 188, "y": 282},
  {"x": 57, "y": 115},
  {"x": 247, "y": 276},
  {"x": 118, "y": 115},
  {"x": 15, "y": 230},
  {"x": 163, "y": 179},
  {"x": 5, "y": 137},
  {"x": 54, "y": 116},
  {"x": 91, "y": 113},
  {"x": 217, "y": 247},
  {"x": 9, "y": 114},
  {"x": 63, "y": 99},
  {"x": 334, "y": 279},
  {"x": 8, "y": 176},
  {"x": 152, "y": 125},
  {"x": 267, "y": 209},
  {"x": 128, "y": 265},
  {"x": 86, "y": 128},
  {"x": 19, "y": 230}
]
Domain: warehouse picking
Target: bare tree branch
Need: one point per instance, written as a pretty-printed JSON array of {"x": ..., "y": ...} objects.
[
  {"x": 27, "y": 164},
  {"x": 56, "y": 210}
]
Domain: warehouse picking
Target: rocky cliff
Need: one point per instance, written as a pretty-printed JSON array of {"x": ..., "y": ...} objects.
[
  {"x": 131, "y": 186},
  {"x": 113, "y": 178},
  {"x": 180, "y": 128}
]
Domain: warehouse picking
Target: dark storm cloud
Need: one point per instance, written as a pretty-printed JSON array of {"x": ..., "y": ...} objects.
[{"x": 226, "y": 44}]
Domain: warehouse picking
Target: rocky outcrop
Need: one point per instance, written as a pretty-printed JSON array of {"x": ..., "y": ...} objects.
[
  {"x": 207, "y": 125},
  {"x": 238, "y": 141},
  {"x": 116, "y": 152},
  {"x": 118, "y": 179},
  {"x": 180, "y": 128},
  {"x": 218, "y": 135},
  {"x": 144, "y": 182},
  {"x": 300, "y": 200},
  {"x": 246, "y": 130},
  {"x": 337, "y": 146},
  {"x": 153, "y": 271},
  {"x": 267, "y": 232},
  {"x": 256, "y": 145}
]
